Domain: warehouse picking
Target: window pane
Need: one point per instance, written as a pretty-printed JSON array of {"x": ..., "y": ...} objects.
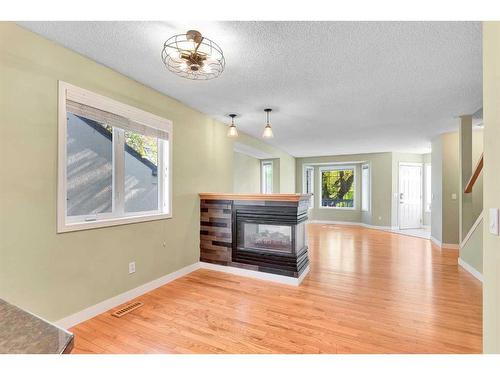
[
  {"x": 309, "y": 184},
  {"x": 337, "y": 188},
  {"x": 365, "y": 189},
  {"x": 267, "y": 178},
  {"x": 89, "y": 167},
  {"x": 141, "y": 172}
]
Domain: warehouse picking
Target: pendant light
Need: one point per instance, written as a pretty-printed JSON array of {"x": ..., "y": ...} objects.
[
  {"x": 231, "y": 131},
  {"x": 268, "y": 132}
]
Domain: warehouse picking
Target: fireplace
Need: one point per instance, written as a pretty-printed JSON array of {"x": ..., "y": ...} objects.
[
  {"x": 256, "y": 232},
  {"x": 271, "y": 237}
]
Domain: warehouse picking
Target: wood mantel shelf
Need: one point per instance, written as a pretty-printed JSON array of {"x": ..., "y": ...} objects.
[
  {"x": 255, "y": 197},
  {"x": 475, "y": 175}
]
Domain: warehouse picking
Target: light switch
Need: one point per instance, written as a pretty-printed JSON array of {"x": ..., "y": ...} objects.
[
  {"x": 494, "y": 221},
  {"x": 454, "y": 196}
]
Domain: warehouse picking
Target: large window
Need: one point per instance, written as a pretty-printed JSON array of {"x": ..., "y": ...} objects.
[
  {"x": 365, "y": 187},
  {"x": 427, "y": 188},
  {"x": 308, "y": 187},
  {"x": 113, "y": 162},
  {"x": 267, "y": 177},
  {"x": 337, "y": 187}
]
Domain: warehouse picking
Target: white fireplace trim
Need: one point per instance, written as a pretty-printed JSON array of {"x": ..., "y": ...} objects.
[{"x": 257, "y": 274}]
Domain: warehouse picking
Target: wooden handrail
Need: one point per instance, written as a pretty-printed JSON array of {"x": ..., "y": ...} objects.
[{"x": 475, "y": 175}]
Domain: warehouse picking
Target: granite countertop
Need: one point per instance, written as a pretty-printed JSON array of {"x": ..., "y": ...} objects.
[{"x": 24, "y": 333}]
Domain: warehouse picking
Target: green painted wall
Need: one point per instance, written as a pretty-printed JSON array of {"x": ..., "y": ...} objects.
[
  {"x": 445, "y": 182},
  {"x": 284, "y": 171},
  {"x": 380, "y": 163},
  {"x": 491, "y": 180},
  {"x": 477, "y": 191},
  {"x": 55, "y": 275},
  {"x": 451, "y": 185},
  {"x": 437, "y": 189},
  {"x": 246, "y": 174},
  {"x": 472, "y": 252}
]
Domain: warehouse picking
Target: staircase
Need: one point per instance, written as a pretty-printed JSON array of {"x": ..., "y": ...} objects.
[{"x": 471, "y": 248}]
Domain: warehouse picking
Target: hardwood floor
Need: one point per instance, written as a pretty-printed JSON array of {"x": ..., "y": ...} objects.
[{"x": 368, "y": 291}]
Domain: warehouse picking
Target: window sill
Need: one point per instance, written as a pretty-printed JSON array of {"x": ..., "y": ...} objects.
[
  {"x": 72, "y": 227},
  {"x": 338, "y": 208}
]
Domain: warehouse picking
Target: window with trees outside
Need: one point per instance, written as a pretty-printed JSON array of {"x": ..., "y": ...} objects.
[
  {"x": 114, "y": 162},
  {"x": 337, "y": 187}
]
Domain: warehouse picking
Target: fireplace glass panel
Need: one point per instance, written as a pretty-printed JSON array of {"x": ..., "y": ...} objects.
[
  {"x": 277, "y": 238},
  {"x": 300, "y": 236}
]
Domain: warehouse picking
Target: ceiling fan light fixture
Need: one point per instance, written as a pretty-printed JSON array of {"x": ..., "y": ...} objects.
[{"x": 193, "y": 56}]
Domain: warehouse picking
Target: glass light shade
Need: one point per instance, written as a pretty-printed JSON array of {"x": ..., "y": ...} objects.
[
  {"x": 268, "y": 132},
  {"x": 232, "y": 132}
]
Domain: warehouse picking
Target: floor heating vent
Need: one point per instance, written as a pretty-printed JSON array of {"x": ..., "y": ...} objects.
[{"x": 126, "y": 309}]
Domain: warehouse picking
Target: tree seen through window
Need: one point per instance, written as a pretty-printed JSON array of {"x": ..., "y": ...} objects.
[{"x": 337, "y": 188}]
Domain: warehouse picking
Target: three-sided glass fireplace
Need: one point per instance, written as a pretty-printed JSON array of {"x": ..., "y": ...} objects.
[{"x": 272, "y": 239}]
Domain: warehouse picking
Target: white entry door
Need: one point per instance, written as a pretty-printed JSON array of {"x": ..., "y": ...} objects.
[{"x": 410, "y": 196}]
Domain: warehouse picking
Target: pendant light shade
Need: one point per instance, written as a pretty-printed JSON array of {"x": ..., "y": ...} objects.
[
  {"x": 231, "y": 131},
  {"x": 268, "y": 131}
]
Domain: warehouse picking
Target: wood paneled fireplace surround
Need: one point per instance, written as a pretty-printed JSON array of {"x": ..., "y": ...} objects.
[{"x": 259, "y": 232}]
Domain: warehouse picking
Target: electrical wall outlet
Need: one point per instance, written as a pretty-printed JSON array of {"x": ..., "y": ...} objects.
[
  {"x": 493, "y": 224},
  {"x": 454, "y": 196},
  {"x": 131, "y": 267}
]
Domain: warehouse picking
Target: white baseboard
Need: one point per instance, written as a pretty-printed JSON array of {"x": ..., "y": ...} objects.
[
  {"x": 436, "y": 241},
  {"x": 466, "y": 266},
  {"x": 355, "y": 223},
  {"x": 115, "y": 301},
  {"x": 256, "y": 274},
  {"x": 451, "y": 246},
  {"x": 112, "y": 302}
]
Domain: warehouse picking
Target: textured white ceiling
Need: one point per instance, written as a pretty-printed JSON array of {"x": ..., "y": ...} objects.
[{"x": 336, "y": 87}]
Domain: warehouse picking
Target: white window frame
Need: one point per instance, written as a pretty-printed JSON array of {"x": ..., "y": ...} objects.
[
  {"x": 304, "y": 183},
  {"x": 363, "y": 184},
  {"x": 117, "y": 217},
  {"x": 262, "y": 176},
  {"x": 427, "y": 197},
  {"x": 336, "y": 168}
]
